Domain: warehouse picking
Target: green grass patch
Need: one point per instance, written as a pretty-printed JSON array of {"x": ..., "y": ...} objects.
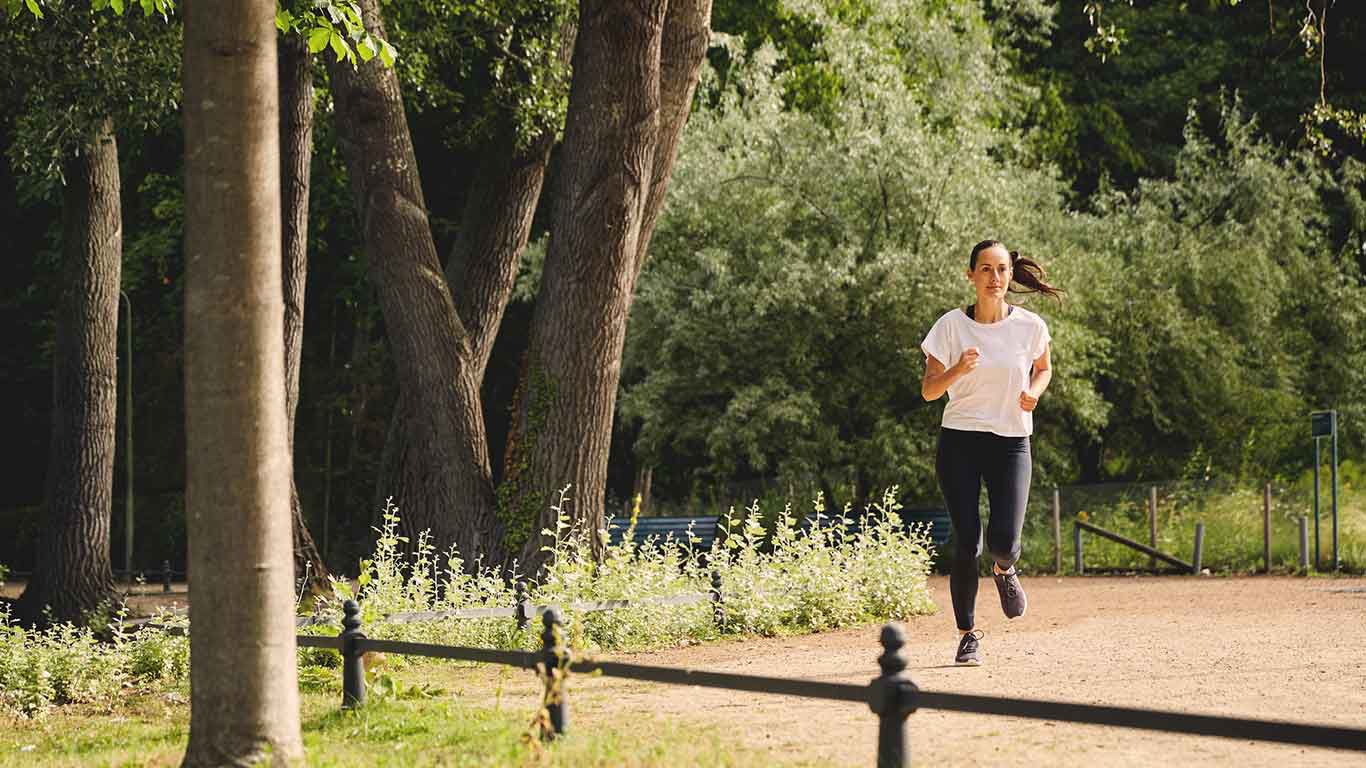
[{"x": 152, "y": 730}]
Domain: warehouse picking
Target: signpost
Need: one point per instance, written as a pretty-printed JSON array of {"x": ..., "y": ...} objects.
[{"x": 1325, "y": 424}]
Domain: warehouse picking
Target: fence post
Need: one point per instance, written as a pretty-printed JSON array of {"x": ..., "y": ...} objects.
[
  {"x": 1076, "y": 548},
  {"x": 555, "y": 657},
  {"x": 1266, "y": 528},
  {"x": 1199, "y": 548},
  {"x": 718, "y": 607},
  {"x": 1304, "y": 543},
  {"x": 1057, "y": 531},
  {"x": 1152, "y": 524},
  {"x": 891, "y": 696},
  {"x": 165, "y": 575},
  {"x": 523, "y": 616},
  {"x": 353, "y": 668}
]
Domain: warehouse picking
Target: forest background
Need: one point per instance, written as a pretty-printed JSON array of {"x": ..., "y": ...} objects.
[{"x": 840, "y": 160}]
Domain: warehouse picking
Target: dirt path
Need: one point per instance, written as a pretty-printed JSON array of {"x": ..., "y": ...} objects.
[{"x": 1276, "y": 648}]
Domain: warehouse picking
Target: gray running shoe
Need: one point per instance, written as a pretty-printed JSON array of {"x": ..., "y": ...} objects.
[
  {"x": 1013, "y": 602},
  {"x": 969, "y": 653}
]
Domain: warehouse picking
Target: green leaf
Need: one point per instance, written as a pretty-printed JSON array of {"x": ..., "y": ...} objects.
[
  {"x": 387, "y": 53},
  {"x": 339, "y": 46},
  {"x": 317, "y": 39},
  {"x": 366, "y": 49},
  {"x": 34, "y": 9},
  {"x": 117, "y": 5},
  {"x": 283, "y": 18}
]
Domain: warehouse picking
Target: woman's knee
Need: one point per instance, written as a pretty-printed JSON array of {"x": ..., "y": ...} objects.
[{"x": 1005, "y": 553}]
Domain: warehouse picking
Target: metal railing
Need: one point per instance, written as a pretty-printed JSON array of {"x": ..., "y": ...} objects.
[{"x": 892, "y": 696}]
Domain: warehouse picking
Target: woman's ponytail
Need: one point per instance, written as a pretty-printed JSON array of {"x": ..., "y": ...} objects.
[
  {"x": 1025, "y": 272},
  {"x": 1029, "y": 273}
]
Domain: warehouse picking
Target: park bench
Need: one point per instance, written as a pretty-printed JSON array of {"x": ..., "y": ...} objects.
[{"x": 660, "y": 528}]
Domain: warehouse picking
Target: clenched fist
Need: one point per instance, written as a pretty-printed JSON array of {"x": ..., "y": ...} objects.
[
  {"x": 1027, "y": 401},
  {"x": 969, "y": 360}
]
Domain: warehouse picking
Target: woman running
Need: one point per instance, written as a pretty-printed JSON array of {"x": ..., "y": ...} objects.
[{"x": 993, "y": 360}]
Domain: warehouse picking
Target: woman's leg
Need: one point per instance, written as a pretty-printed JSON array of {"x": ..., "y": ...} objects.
[
  {"x": 960, "y": 480},
  {"x": 1006, "y": 469},
  {"x": 1007, "y": 475}
]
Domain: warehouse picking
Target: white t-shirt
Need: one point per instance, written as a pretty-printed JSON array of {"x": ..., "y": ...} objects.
[{"x": 988, "y": 398}]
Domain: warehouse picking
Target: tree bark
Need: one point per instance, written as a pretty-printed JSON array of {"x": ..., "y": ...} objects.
[
  {"x": 73, "y": 575},
  {"x": 296, "y": 156},
  {"x": 435, "y": 463},
  {"x": 243, "y": 679},
  {"x": 626, "y": 109}
]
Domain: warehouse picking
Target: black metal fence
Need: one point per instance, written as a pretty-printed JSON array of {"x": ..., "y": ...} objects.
[{"x": 892, "y": 696}]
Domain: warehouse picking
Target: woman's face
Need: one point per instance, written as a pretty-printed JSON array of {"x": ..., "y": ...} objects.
[{"x": 991, "y": 275}]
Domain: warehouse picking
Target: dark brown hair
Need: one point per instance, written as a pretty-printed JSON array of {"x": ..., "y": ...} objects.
[{"x": 1024, "y": 271}]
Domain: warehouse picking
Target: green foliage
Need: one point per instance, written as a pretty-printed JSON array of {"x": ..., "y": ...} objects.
[
  {"x": 70, "y": 665},
  {"x": 802, "y": 257},
  {"x": 779, "y": 581}
]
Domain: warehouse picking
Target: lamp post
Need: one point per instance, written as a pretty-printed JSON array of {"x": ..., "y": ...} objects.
[{"x": 128, "y": 436}]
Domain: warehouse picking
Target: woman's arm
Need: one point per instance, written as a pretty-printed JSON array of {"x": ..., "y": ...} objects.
[
  {"x": 937, "y": 380},
  {"x": 1043, "y": 373}
]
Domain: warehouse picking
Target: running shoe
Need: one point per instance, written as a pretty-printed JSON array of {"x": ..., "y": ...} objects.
[
  {"x": 1013, "y": 602},
  {"x": 969, "y": 652}
]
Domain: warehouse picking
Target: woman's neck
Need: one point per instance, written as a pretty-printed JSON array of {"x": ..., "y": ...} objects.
[{"x": 990, "y": 310}]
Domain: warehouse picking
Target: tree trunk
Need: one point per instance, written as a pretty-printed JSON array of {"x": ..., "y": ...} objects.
[
  {"x": 620, "y": 139},
  {"x": 296, "y": 156},
  {"x": 435, "y": 463},
  {"x": 243, "y": 679},
  {"x": 73, "y": 575}
]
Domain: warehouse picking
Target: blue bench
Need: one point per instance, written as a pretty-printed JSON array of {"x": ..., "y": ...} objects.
[
  {"x": 660, "y": 528},
  {"x": 940, "y": 526}
]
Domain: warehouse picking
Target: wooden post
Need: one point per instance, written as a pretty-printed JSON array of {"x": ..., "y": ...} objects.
[
  {"x": 1304, "y": 543},
  {"x": 1057, "y": 531},
  {"x": 718, "y": 607},
  {"x": 1199, "y": 548},
  {"x": 555, "y": 657},
  {"x": 1076, "y": 548},
  {"x": 891, "y": 696},
  {"x": 353, "y": 669},
  {"x": 165, "y": 575},
  {"x": 1152, "y": 524},
  {"x": 1266, "y": 528}
]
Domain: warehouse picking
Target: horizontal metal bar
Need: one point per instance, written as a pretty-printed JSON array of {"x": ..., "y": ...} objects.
[
  {"x": 781, "y": 686},
  {"x": 1145, "y": 549},
  {"x": 523, "y": 659},
  {"x": 459, "y": 613},
  {"x": 1306, "y": 734},
  {"x": 617, "y": 605},
  {"x": 318, "y": 641}
]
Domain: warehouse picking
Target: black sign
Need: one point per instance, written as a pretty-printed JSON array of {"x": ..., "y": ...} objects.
[{"x": 1323, "y": 423}]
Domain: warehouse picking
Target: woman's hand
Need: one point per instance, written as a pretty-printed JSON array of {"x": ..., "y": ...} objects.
[
  {"x": 968, "y": 362},
  {"x": 1028, "y": 401}
]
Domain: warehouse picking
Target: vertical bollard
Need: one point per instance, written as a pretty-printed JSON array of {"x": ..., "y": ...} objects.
[
  {"x": 165, "y": 575},
  {"x": 353, "y": 669},
  {"x": 1057, "y": 531},
  {"x": 1266, "y": 528},
  {"x": 1152, "y": 524},
  {"x": 523, "y": 615},
  {"x": 718, "y": 607},
  {"x": 1304, "y": 543},
  {"x": 1076, "y": 547},
  {"x": 555, "y": 657},
  {"x": 892, "y": 697},
  {"x": 1199, "y": 548}
]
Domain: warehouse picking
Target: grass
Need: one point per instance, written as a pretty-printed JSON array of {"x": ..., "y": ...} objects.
[{"x": 152, "y": 729}]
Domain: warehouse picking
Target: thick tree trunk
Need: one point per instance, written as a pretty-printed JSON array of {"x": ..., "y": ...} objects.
[
  {"x": 72, "y": 573},
  {"x": 620, "y": 140},
  {"x": 243, "y": 678},
  {"x": 296, "y": 156},
  {"x": 435, "y": 464}
]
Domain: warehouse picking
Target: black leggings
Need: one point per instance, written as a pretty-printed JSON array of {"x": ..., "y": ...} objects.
[{"x": 965, "y": 459}]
